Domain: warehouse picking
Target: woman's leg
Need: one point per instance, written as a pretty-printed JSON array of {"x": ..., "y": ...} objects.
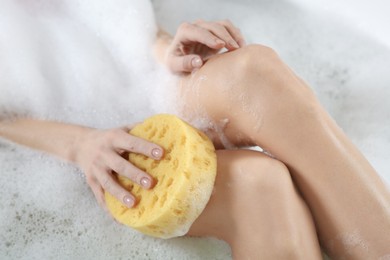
[
  {"x": 257, "y": 210},
  {"x": 263, "y": 102}
]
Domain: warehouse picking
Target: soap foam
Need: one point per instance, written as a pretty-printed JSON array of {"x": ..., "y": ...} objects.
[
  {"x": 84, "y": 80},
  {"x": 51, "y": 213},
  {"x": 85, "y": 62}
]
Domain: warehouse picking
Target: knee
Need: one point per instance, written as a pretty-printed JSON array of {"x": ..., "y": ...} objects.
[
  {"x": 267, "y": 70},
  {"x": 256, "y": 58},
  {"x": 256, "y": 174},
  {"x": 254, "y": 72},
  {"x": 269, "y": 181},
  {"x": 262, "y": 185}
]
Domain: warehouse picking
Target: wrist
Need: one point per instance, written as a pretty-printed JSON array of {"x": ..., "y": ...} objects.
[{"x": 75, "y": 147}]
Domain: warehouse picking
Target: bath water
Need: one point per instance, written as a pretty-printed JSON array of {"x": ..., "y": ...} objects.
[{"x": 69, "y": 61}]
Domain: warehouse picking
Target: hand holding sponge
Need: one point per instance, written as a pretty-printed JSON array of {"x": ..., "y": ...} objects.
[{"x": 185, "y": 179}]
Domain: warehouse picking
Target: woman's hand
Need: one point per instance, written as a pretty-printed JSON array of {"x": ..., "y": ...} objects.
[
  {"x": 195, "y": 42},
  {"x": 99, "y": 155},
  {"x": 97, "y": 152}
]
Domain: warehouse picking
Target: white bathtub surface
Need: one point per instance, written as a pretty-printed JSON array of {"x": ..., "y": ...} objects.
[{"x": 46, "y": 208}]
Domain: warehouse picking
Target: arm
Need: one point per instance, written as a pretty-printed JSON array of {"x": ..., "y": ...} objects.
[
  {"x": 56, "y": 138},
  {"x": 96, "y": 152}
]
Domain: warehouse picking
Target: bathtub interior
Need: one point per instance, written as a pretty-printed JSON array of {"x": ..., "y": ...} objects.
[{"x": 47, "y": 210}]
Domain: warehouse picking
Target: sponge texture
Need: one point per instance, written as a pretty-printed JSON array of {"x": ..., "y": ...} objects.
[{"x": 185, "y": 179}]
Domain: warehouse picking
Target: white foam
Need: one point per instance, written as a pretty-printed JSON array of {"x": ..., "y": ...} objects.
[
  {"x": 86, "y": 62},
  {"x": 60, "y": 59}
]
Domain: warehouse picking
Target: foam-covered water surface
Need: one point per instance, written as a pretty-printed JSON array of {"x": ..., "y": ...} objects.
[{"x": 69, "y": 60}]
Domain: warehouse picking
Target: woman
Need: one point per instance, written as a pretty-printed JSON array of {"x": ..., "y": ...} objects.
[{"x": 316, "y": 188}]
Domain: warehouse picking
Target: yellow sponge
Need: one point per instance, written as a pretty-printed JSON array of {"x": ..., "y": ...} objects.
[{"x": 185, "y": 179}]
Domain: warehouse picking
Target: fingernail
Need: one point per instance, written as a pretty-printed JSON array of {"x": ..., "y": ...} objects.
[
  {"x": 218, "y": 41},
  {"x": 145, "y": 182},
  {"x": 196, "y": 62},
  {"x": 128, "y": 201},
  {"x": 156, "y": 153},
  {"x": 234, "y": 44}
]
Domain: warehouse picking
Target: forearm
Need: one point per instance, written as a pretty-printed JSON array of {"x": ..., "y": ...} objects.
[{"x": 53, "y": 137}]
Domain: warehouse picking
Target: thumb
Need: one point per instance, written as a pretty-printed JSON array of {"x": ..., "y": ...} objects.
[{"x": 185, "y": 63}]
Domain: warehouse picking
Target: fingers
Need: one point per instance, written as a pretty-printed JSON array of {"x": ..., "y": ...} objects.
[
  {"x": 98, "y": 192},
  {"x": 190, "y": 33},
  {"x": 121, "y": 140},
  {"x": 130, "y": 143},
  {"x": 104, "y": 181},
  {"x": 109, "y": 184},
  {"x": 124, "y": 168},
  {"x": 124, "y": 141},
  {"x": 222, "y": 31},
  {"x": 185, "y": 63},
  {"x": 102, "y": 158},
  {"x": 194, "y": 43},
  {"x": 234, "y": 32}
]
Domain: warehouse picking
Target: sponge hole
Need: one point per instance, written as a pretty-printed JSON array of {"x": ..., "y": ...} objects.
[
  {"x": 187, "y": 175},
  {"x": 152, "y": 134},
  {"x": 169, "y": 182},
  {"x": 170, "y": 148},
  {"x": 196, "y": 160},
  {"x": 206, "y": 162},
  {"x": 167, "y": 157},
  {"x": 161, "y": 179},
  {"x": 163, "y": 132},
  {"x": 153, "y": 165},
  {"x": 154, "y": 201},
  {"x": 183, "y": 141},
  {"x": 148, "y": 127},
  {"x": 177, "y": 212},
  {"x": 175, "y": 164},
  {"x": 163, "y": 199},
  {"x": 153, "y": 227},
  {"x": 203, "y": 136},
  {"x": 123, "y": 210},
  {"x": 129, "y": 187},
  {"x": 141, "y": 211},
  {"x": 194, "y": 147},
  {"x": 209, "y": 150}
]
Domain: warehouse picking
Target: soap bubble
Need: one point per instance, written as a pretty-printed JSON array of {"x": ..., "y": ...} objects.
[{"x": 88, "y": 62}]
